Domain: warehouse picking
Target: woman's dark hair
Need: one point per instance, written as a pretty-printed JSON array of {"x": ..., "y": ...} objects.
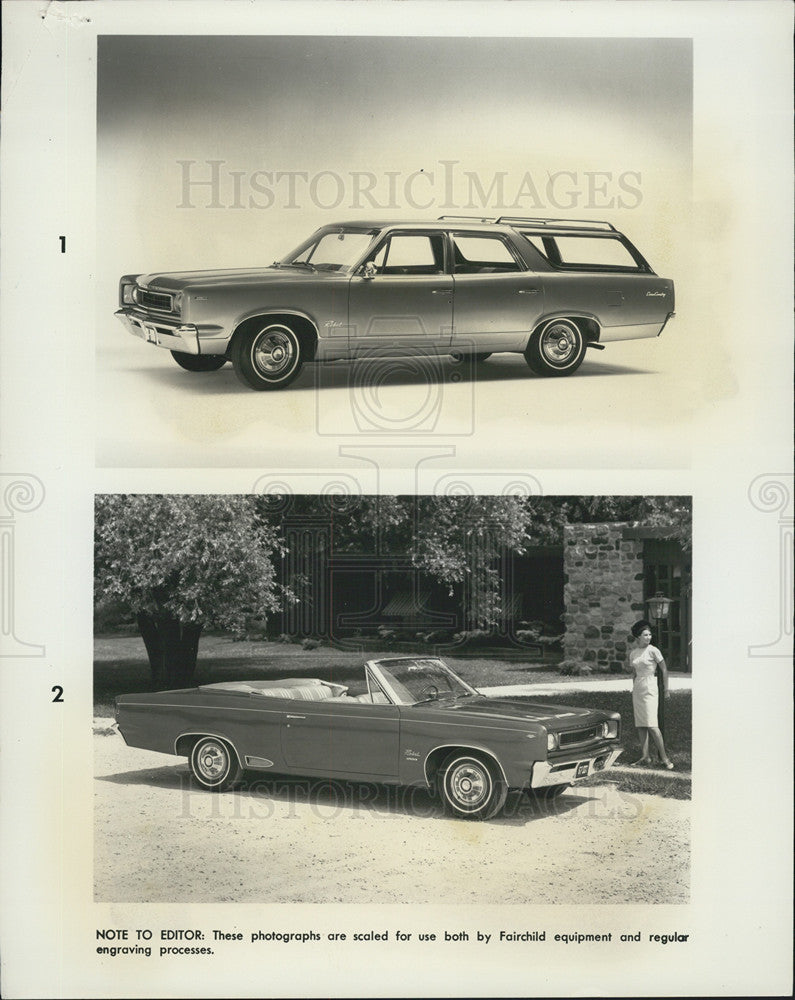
[{"x": 638, "y": 627}]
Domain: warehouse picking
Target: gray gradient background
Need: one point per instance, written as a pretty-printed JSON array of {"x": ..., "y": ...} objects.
[{"x": 377, "y": 104}]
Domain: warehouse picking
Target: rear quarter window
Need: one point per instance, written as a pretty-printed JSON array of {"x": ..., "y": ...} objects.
[{"x": 583, "y": 252}]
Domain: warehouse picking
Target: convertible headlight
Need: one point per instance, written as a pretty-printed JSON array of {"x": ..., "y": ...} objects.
[
  {"x": 610, "y": 730},
  {"x": 127, "y": 291},
  {"x": 552, "y": 741},
  {"x": 178, "y": 302}
]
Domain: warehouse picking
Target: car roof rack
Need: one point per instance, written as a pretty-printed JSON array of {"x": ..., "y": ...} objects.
[
  {"x": 559, "y": 223},
  {"x": 469, "y": 218}
]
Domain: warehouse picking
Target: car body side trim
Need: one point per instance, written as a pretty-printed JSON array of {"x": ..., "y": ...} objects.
[
  {"x": 203, "y": 732},
  {"x": 464, "y": 746}
]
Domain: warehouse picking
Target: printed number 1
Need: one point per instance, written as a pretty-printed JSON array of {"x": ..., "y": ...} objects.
[
  {"x": 58, "y": 692},
  {"x": 63, "y": 243}
]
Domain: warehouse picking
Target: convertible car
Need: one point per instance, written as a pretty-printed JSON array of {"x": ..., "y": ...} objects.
[
  {"x": 407, "y": 721},
  {"x": 545, "y": 288}
]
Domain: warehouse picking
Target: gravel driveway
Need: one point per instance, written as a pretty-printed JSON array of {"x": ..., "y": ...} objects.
[{"x": 158, "y": 839}]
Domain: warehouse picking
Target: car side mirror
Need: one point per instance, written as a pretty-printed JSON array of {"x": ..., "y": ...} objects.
[{"x": 369, "y": 271}]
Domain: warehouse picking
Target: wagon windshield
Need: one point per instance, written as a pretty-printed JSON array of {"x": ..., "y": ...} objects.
[
  {"x": 414, "y": 680},
  {"x": 335, "y": 250}
]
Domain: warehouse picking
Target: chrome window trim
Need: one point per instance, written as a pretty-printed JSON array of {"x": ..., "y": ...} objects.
[
  {"x": 503, "y": 237},
  {"x": 373, "y": 664}
]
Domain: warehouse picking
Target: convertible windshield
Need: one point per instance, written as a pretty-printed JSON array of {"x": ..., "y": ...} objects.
[
  {"x": 337, "y": 250},
  {"x": 417, "y": 680}
]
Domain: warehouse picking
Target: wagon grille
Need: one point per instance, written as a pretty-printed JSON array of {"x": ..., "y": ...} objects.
[
  {"x": 575, "y": 737},
  {"x": 154, "y": 300}
]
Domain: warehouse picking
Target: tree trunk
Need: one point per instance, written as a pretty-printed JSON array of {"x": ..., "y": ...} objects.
[{"x": 172, "y": 648}]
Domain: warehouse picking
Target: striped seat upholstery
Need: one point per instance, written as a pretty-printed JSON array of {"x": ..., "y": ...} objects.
[{"x": 294, "y": 688}]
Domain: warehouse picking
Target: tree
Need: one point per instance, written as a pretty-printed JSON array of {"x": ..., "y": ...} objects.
[
  {"x": 459, "y": 539},
  {"x": 180, "y": 563},
  {"x": 455, "y": 539}
]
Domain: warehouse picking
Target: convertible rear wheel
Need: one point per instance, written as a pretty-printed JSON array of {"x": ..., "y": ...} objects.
[
  {"x": 214, "y": 764},
  {"x": 556, "y": 349},
  {"x": 266, "y": 355},
  {"x": 471, "y": 786},
  {"x": 199, "y": 362}
]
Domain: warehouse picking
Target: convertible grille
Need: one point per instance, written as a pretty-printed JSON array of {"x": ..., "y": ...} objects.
[
  {"x": 154, "y": 300},
  {"x": 576, "y": 737}
]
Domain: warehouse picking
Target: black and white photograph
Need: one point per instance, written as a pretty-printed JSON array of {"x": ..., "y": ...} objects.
[
  {"x": 411, "y": 233},
  {"x": 361, "y": 679},
  {"x": 396, "y": 498}
]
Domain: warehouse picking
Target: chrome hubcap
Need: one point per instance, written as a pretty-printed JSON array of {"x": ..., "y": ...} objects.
[
  {"x": 273, "y": 352},
  {"x": 212, "y": 761},
  {"x": 559, "y": 344},
  {"x": 469, "y": 785}
]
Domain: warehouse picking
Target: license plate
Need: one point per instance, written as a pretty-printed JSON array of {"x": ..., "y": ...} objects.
[{"x": 582, "y": 770}]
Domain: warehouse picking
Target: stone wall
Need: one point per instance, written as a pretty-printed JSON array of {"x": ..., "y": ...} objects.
[{"x": 603, "y": 593}]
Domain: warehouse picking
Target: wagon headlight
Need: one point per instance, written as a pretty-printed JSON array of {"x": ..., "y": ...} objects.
[
  {"x": 552, "y": 741},
  {"x": 178, "y": 302},
  {"x": 128, "y": 293},
  {"x": 610, "y": 730}
]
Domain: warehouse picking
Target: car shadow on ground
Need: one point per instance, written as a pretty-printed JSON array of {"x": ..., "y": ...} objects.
[
  {"x": 328, "y": 798},
  {"x": 409, "y": 371}
]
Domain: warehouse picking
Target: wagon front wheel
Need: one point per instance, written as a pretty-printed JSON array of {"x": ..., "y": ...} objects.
[
  {"x": 266, "y": 355},
  {"x": 556, "y": 349},
  {"x": 214, "y": 764},
  {"x": 472, "y": 787}
]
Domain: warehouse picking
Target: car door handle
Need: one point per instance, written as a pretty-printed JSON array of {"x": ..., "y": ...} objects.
[
  {"x": 296, "y": 716},
  {"x": 441, "y": 291},
  {"x": 528, "y": 291}
]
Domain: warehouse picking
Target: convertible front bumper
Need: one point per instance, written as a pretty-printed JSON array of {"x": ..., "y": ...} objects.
[{"x": 564, "y": 772}]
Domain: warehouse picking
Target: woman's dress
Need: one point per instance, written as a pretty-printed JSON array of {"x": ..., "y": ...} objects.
[{"x": 645, "y": 698}]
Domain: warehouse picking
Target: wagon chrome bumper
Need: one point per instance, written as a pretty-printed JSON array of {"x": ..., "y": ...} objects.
[{"x": 553, "y": 772}]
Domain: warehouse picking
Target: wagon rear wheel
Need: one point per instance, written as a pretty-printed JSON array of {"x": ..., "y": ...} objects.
[
  {"x": 556, "y": 349},
  {"x": 214, "y": 764}
]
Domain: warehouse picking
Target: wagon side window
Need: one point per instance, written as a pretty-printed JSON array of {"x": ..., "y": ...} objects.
[
  {"x": 411, "y": 253},
  {"x": 587, "y": 252},
  {"x": 476, "y": 254}
]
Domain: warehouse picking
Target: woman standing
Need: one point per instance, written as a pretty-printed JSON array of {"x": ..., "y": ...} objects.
[{"x": 644, "y": 661}]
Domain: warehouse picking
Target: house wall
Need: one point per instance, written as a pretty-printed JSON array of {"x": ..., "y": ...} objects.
[{"x": 603, "y": 593}]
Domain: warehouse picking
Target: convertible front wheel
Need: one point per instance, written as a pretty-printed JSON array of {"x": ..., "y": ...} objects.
[
  {"x": 214, "y": 764},
  {"x": 556, "y": 349},
  {"x": 471, "y": 786},
  {"x": 266, "y": 356}
]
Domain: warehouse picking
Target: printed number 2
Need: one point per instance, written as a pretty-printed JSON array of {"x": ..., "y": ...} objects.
[
  {"x": 63, "y": 243},
  {"x": 58, "y": 692}
]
